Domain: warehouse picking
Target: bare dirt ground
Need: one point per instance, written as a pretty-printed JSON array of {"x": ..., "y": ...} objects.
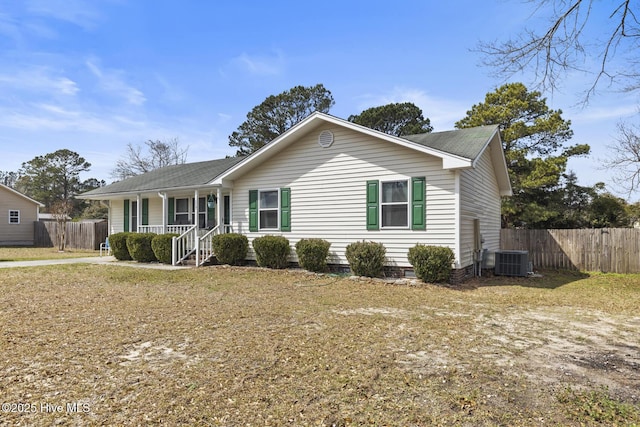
[{"x": 103, "y": 345}]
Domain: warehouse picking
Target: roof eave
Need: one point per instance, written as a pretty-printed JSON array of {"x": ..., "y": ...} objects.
[{"x": 120, "y": 194}]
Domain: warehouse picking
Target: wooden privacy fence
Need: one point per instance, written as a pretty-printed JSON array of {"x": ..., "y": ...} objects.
[
  {"x": 613, "y": 250},
  {"x": 80, "y": 235}
]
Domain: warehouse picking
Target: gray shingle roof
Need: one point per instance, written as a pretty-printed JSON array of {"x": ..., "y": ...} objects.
[
  {"x": 175, "y": 176},
  {"x": 466, "y": 143}
]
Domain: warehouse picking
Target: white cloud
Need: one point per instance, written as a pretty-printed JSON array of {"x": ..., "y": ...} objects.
[
  {"x": 590, "y": 115},
  {"x": 261, "y": 65},
  {"x": 78, "y": 12},
  {"x": 112, "y": 81},
  {"x": 39, "y": 79}
]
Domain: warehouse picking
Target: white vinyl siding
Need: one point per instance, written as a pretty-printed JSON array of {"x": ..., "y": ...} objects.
[
  {"x": 116, "y": 213},
  {"x": 155, "y": 210},
  {"x": 480, "y": 199},
  {"x": 328, "y": 192}
]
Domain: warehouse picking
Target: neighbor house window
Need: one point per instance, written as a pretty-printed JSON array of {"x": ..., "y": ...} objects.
[
  {"x": 14, "y": 217},
  {"x": 268, "y": 209},
  {"x": 394, "y": 203}
]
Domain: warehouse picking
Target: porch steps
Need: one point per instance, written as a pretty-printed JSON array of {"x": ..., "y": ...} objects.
[{"x": 191, "y": 261}]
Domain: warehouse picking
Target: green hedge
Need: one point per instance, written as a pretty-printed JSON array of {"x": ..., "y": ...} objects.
[
  {"x": 139, "y": 245},
  {"x": 272, "y": 251},
  {"x": 118, "y": 245},
  {"x": 312, "y": 254},
  {"x": 431, "y": 264},
  {"x": 230, "y": 248},
  {"x": 366, "y": 258},
  {"x": 161, "y": 246}
]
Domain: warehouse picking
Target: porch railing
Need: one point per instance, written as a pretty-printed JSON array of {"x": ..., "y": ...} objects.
[
  {"x": 159, "y": 229},
  {"x": 204, "y": 252},
  {"x": 184, "y": 245}
]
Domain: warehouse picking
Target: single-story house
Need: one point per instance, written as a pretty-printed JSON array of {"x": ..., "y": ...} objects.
[
  {"x": 18, "y": 213},
  {"x": 332, "y": 179}
]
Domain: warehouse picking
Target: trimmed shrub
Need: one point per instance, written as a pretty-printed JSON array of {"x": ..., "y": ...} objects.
[
  {"x": 272, "y": 251},
  {"x": 139, "y": 245},
  {"x": 230, "y": 248},
  {"x": 161, "y": 246},
  {"x": 312, "y": 254},
  {"x": 366, "y": 258},
  {"x": 431, "y": 264},
  {"x": 118, "y": 245}
]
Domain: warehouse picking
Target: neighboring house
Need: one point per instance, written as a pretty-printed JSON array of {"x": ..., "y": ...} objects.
[
  {"x": 332, "y": 179},
  {"x": 51, "y": 217},
  {"x": 17, "y": 215}
]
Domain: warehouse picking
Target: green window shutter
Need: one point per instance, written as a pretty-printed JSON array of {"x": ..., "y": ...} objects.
[
  {"x": 253, "y": 210},
  {"x": 285, "y": 209},
  {"x": 418, "y": 203},
  {"x": 373, "y": 205},
  {"x": 126, "y": 214},
  {"x": 145, "y": 211},
  {"x": 172, "y": 210}
]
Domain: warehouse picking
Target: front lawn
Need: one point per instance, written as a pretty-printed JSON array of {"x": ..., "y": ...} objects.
[
  {"x": 27, "y": 253},
  {"x": 253, "y": 347}
]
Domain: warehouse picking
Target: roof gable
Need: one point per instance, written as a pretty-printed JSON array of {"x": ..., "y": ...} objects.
[
  {"x": 19, "y": 194},
  {"x": 458, "y": 149}
]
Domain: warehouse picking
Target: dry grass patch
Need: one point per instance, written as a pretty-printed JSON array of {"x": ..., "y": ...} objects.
[
  {"x": 243, "y": 346},
  {"x": 26, "y": 253}
]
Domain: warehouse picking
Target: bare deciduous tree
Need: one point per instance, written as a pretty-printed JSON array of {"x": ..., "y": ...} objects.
[
  {"x": 61, "y": 209},
  {"x": 624, "y": 158},
  {"x": 156, "y": 154},
  {"x": 576, "y": 33}
]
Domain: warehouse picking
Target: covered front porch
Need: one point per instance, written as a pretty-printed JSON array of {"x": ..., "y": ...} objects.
[{"x": 195, "y": 216}]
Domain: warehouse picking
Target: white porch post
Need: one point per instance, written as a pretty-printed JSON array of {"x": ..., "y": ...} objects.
[
  {"x": 219, "y": 208},
  {"x": 138, "y": 212},
  {"x": 164, "y": 212},
  {"x": 196, "y": 221},
  {"x": 196, "y": 207}
]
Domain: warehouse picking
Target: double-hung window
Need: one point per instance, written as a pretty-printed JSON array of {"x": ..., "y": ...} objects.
[
  {"x": 268, "y": 203},
  {"x": 270, "y": 209},
  {"x": 394, "y": 203},
  {"x": 182, "y": 211},
  {"x": 14, "y": 217}
]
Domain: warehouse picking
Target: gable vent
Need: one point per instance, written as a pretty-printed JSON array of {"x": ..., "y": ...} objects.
[{"x": 325, "y": 139}]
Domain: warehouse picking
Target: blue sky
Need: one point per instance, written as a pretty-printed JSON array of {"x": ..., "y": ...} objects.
[{"x": 95, "y": 75}]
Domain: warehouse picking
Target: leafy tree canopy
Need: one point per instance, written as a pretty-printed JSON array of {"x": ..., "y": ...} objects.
[
  {"x": 278, "y": 113},
  {"x": 534, "y": 138},
  {"x": 398, "y": 119},
  {"x": 54, "y": 179}
]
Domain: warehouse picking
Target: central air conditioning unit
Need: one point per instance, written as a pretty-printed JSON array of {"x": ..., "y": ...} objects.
[{"x": 512, "y": 263}]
